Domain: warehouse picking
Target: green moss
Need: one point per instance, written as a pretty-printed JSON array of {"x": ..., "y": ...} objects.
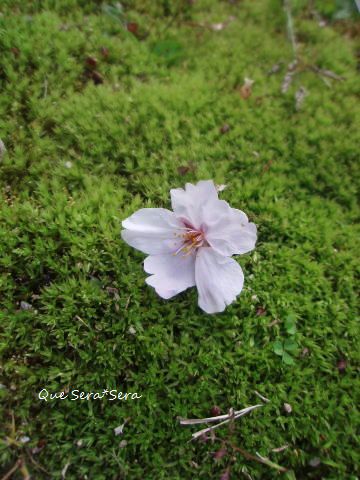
[{"x": 81, "y": 157}]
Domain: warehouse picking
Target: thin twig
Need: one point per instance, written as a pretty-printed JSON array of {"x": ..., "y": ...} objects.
[
  {"x": 229, "y": 419},
  {"x": 12, "y": 470},
  {"x": 326, "y": 73},
  {"x": 257, "y": 458},
  {"x": 290, "y": 26},
  {"x": 196, "y": 421},
  {"x": 280, "y": 449},
  {"x": 269, "y": 463},
  {"x": 82, "y": 321},
  {"x": 264, "y": 399}
]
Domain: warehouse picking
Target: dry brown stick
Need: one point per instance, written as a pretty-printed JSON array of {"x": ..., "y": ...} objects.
[
  {"x": 326, "y": 73},
  {"x": 196, "y": 421},
  {"x": 257, "y": 458},
  {"x": 264, "y": 399},
  {"x": 231, "y": 417},
  {"x": 12, "y": 470}
]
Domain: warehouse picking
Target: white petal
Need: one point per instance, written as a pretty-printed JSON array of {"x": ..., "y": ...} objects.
[
  {"x": 219, "y": 280},
  {"x": 229, "y": 231},
  {"x": 171, "y": 274},
  {"x": 152, "y": 230},
  {"x": 190, "y": 203}
]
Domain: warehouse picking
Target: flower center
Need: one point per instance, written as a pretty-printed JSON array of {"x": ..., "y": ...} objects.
[{"x": 193, "y": 238}]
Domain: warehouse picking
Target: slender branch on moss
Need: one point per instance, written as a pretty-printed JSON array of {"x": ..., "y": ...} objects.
[
  {"x": 264, "y": 399},
  {"x": 232, "y": 415},
  {"x": 326, "y": 73},
  {"x": 256, "y": 458},
  {"x": 290, "y": 27},
  {"x": 12, "y": 470}
]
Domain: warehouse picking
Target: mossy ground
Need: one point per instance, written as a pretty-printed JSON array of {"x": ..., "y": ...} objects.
[{"x": 84, "y": 152}]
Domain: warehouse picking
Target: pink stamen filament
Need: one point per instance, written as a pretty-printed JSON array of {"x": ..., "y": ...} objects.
[{"x": 193, "y": 239}]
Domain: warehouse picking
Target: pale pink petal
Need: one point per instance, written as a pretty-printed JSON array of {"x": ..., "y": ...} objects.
[
  {"x": 153, "y": 231},
  {"x": 171, "y": 274},
  {"x": 219, "y": 280},
  {"x": 228, "y": 230},
  {"x": 190, "y": 203}
]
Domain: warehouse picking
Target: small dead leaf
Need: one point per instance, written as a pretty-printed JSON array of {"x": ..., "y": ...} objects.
[
  {"x": 25, "y": 306},
  {"x": 132, "y": 27},
  {"x": 305, "y": 352},
  {"x": 96, "y": 77},
  {"x": 225, "y": 128},
  {"x": 215, "y": 411},
  {"x": 260, "y": 312},
  {"x": 314, "y": 462},
  {"x": 219, "y": 454},
  {"x": 184, "y": 169},
  {"x": 226, "y": 474},
  {"x": 341, "y": 365},
  {"x": 113, "y": 291},
  {"x": 246, "y": 88},
  {"x": 91, "y": 62},
  {"x": 104, "y": 52}
]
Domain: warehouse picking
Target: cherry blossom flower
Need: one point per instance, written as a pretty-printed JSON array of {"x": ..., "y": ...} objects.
[{"x": 192, "y": 245}]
